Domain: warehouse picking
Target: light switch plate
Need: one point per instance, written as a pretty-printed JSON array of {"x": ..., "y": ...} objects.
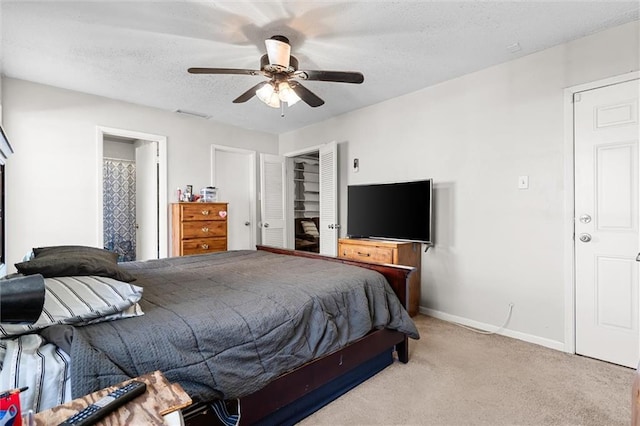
[{"x": 523, "y": 182}]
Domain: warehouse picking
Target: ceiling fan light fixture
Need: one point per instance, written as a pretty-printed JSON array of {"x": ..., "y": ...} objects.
[
  {"x": 278, "y": 52},
  {"x": 286, "y": 93},
  {"x": 268, "y": 95}
]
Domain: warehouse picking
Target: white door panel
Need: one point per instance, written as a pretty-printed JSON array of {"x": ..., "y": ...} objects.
[
  {"x": 233, "y": 176},
  {"x": 273, "y": 200},
  {"x": 607, "y": 232},
  {"x": 329, "y": 199},
  {"x": 146, "y": 200}
]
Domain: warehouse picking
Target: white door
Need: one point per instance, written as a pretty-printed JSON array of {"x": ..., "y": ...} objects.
[
  {"x": 606, "y": 224},
  {"x": 146, "y": 200},
  {"x": 233, "y": 174},
  {"x": 273, "y": 200},
  {"x": 329, "y": 199}
]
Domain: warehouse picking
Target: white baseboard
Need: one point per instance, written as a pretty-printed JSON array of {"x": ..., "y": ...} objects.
[{"x": 553, "y": 344}]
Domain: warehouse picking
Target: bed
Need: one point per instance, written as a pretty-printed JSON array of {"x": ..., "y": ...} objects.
[{"x": 301, "y": 329}]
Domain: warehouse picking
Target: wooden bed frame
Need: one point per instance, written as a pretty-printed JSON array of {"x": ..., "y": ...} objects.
[{"x": 298, "y": 393}]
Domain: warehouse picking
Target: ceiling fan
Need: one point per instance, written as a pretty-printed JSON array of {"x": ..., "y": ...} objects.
[{"x": 282, "y": 71}]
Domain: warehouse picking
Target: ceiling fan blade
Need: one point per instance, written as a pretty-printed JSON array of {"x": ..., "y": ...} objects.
[
  {"x": 222, "y": 71},
  {"x": 249, "y": 93},
  {"x": 307, "y": 95},
  {"x": 336, "y": 76}
]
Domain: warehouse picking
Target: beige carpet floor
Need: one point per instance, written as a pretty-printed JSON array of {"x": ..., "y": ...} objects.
[{"x": 458, "y": 377}]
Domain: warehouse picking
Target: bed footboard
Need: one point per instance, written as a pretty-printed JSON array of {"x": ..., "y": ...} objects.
[{"x": 312, "y": 380}]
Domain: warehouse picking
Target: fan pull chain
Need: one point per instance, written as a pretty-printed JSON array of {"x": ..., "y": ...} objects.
[{"x": 282, "y": 109}]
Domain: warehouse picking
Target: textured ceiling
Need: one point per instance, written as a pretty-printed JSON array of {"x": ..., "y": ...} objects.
[{"x": 139, "y": 51}]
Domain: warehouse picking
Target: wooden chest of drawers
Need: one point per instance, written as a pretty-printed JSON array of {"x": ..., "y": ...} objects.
[
  {"x": 198, "y": 228},
  {"x": 392, "y": 252}
]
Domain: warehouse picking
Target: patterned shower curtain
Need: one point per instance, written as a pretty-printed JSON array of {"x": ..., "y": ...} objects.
[{"x": 120, "y": 208}]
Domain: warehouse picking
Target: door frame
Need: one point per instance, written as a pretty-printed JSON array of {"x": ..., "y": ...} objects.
[
  {"x": 252, "y": 182},
  {"x": 290, "y": 228},
  {"x": 569, "y": 203},
  {"x": 163, "y": 224}
]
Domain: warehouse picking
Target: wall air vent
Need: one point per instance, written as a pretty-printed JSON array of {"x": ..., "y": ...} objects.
[{"x": 193, "y": 113}]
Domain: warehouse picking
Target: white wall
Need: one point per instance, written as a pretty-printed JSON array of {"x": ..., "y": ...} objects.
[
  {"x": 53, "y": 176},
  {"x": 118, "y": 149},
  {"x": 475, "y": 135}
]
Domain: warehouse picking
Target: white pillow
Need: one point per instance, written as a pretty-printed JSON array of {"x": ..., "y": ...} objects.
[
  {"x": 309, "y": 227},
  {"x": 81, "y": 300}
]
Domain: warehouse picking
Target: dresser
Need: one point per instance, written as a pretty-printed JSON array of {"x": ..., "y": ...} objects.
[
  {"x": 198, "y": 228},
  {"x": 392, "y": 252}
]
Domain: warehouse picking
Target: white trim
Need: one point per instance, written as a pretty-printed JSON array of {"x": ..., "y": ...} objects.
[
  {"x": 553, "y": 344},
  {"x": 290, "y": 189},
  {"x": 163, "y": 214},
  {"x": 303, "y": 151},
  {"x": 252, "y": 182},
  {"x": 569, "y": 203}
]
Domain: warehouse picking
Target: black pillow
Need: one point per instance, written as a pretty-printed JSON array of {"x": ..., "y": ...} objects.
[
  {"x": 56, "y": 250},
  {"x": 65, "y": 261}
]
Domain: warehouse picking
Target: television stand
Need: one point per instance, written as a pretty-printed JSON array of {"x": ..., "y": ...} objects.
[{"x": 392, "y": 252}]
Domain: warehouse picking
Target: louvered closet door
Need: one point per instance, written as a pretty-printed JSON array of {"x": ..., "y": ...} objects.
[
  {"x": 329, "y": 226},
  {"x": 272, "y": 200}
]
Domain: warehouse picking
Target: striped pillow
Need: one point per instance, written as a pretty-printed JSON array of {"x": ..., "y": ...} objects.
[{"x": 82, "y": 300}]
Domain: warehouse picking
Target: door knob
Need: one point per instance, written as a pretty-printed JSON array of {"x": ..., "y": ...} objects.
[
  {"x": 585, "y": 238},
  {"x": 585, "y": 218},
  {"x": 247, "y": 223},
  {"x": 330, "y": 226},
  {"x": 638, "y": 258},
  {"x": 266, "y": 225}
]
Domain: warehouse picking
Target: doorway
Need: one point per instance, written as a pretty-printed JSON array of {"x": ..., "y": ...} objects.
[
  {"x": 606, "y": 217},
  {"x": 132, "y": 194},
  {"x": 306, "y": 201},
  {"x": 301, "y": 168}
]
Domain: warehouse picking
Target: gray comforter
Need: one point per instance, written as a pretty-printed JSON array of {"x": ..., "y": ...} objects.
[{"x": 223, "y": 325}]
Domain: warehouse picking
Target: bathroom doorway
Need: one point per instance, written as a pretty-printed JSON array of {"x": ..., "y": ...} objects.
[{"x": 134, "y": 217}]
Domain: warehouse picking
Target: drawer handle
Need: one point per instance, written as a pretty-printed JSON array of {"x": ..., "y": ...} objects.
[
  {"x": 205, "y": 246},
  {"x": 363, "y": 254},
  {"x": 205, "y": 212},
  {"x": 205, "y": 229}
]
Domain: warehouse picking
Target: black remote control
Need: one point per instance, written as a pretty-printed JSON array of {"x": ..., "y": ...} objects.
[{"x": 106, "y": 405}]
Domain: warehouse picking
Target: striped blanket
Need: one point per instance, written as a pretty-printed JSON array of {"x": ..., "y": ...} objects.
[{"x": 30, "y": 361}]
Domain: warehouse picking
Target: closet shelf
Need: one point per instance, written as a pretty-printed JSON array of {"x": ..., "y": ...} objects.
[{"x": 306, "y": 180}]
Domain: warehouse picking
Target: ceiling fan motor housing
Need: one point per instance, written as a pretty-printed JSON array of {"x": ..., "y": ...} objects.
[{"x": 265, "y": 65}]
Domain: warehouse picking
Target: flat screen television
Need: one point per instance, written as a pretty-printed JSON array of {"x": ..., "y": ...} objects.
[{"x": 396, "y": 211}]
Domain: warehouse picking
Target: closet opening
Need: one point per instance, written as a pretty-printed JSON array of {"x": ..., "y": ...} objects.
[{"x": 306, "y": 201}]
